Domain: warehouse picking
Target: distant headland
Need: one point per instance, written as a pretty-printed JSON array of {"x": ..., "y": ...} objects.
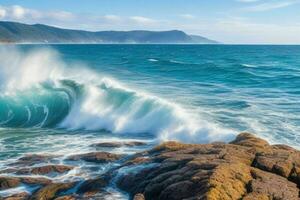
[{"x": 14, "y": 32}]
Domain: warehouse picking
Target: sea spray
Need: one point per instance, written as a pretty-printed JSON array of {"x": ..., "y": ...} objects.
[{"x": 40, "y": 90}]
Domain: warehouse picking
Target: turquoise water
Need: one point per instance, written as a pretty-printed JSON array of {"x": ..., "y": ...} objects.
[
  {"x": 189, "y": 93},
  {"x": 60, "y": 99}
]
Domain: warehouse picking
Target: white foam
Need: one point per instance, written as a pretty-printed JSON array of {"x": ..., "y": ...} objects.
[
  {"x": 106, "y": 103},
  {"x": 152, "y": 60}
]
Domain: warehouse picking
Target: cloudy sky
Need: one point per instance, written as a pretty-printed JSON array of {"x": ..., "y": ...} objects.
[{"x": 229, "y": 21}]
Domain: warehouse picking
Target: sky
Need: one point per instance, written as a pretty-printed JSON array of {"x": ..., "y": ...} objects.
[{"x": 227, "y": 21}]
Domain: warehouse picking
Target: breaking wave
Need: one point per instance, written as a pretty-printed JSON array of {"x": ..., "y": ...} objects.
[{"x": 39, "y": 90}]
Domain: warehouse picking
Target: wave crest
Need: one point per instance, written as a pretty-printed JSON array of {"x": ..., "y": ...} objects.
[{"x": 77, "y": 98}]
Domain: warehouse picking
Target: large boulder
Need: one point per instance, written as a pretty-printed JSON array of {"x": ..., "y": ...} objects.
[
  {"x": 246, "y": 168},
  {"x": 266, "y": 185}
]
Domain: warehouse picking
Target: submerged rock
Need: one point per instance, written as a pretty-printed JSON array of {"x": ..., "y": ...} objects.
[
  {"x": 33, "y": 159},
  {"x": 93, "y": 186},
  {"x": 66, "y": 197},
  {"x": 119, "y": 144},
  {"x": 20, "y": 196},
  {"x": 12, "y": 182},
  {"x": 43, "y": 170},
  {"x": 246, "y": 168},
  {"x": 51, "y": 191},
  {"x": 97, "y": 157}
]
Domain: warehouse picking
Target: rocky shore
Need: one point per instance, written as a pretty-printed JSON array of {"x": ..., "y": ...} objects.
[{"x": 247, "y": 168}]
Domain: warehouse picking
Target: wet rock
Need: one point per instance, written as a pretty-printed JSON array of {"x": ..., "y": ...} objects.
[
  {"x": 43, "y": 170},
  {"x": 119, "y": 144},
  {"x": 97, "y": 157},
  {"x": 94, "y": 186},
  {"x": 35, "y": 181},
  {"x": 139, "y": 197},
  {"x": 66, "y": 197},
  {"x": 9, "y": 182},
  {"x": 12, "y": 182},
  {"x": 51, "y": 191},
  {"x": 137, "y": 161},
  {"x": 8, "y": 171},
  {"x": 32, "y": 159},
  {"x": 20, "y": 196},
  {"x": 246, "y": 168}
]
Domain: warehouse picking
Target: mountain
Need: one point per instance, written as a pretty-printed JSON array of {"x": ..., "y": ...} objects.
[{"x": 14, "y": 32}]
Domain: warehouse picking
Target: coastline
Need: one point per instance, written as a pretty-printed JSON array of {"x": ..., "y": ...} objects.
[{"x": 246, "y": 168}]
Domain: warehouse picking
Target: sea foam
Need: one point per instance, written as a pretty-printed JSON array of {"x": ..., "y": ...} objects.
[{"x": 50, "y": 93}]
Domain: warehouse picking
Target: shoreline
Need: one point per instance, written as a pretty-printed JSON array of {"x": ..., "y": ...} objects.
[{"x": 246, "y": 168}]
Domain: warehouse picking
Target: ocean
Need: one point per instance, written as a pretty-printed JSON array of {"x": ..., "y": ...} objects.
[{"x": 60, "y": 99}]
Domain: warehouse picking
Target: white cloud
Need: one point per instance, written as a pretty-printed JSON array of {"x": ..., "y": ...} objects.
[
  {"x": 142, "y": 20},
  {"x": 187, "y": 16},
  {"x": 18, "y": 12},
  {"x": 60, "y": 15},
  {"x": 113, "y": 18},
  {"x": 2, "y": 12},
  {"x": 266, "y": 6}
]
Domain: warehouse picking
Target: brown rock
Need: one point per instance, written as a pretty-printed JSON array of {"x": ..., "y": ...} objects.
[
  {"x": 139, "y": 197},
  {"x": 97, "y": 157},
  {"x": 35, "y": 181},
  {"x": 249, "y": 140},
  {"x": 271, "y": 186},
  {"x": 175, "y": 171},
  {"x": 229, "y": 181},
  {"x": 50, "y": 191},
  {"x": 32, "y": 159},
  {"x": 279, "y": 159},
  {"x": 66, "y": 197},
  {"x": 20, "y": 196},
  {"x": 119, "y": 144},
  {"x": 45, "y": 169},
  {"x": 11, "y": 182},
  {"x": 170, "y": 146},
  {"x": 137, "y": 160}
]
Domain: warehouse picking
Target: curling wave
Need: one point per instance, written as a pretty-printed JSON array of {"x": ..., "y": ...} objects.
[{"x": 40, "y": 91}]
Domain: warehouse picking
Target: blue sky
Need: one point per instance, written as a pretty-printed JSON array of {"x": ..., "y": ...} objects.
[{"x": 229, "y": 21}]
